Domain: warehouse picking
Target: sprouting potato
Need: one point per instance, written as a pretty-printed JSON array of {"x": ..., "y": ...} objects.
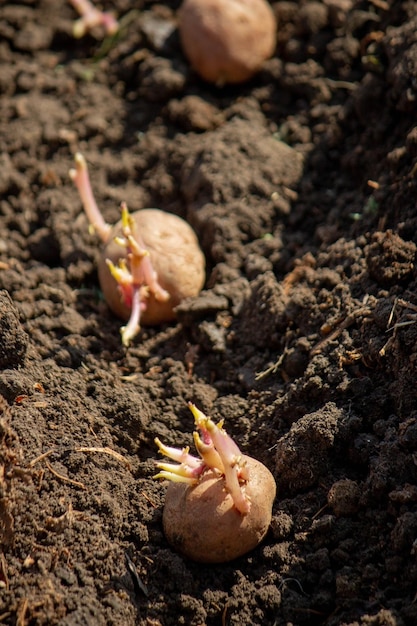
[
  {"x": 151, "y": 260},
  {"x": 218, "y": 506}
]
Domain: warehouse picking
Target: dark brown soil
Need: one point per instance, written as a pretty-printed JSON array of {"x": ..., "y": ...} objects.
[{"x": 301, "y": 185}]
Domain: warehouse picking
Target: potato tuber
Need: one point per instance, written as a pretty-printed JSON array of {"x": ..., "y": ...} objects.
[
  {"x": 151, "y": 260},
  {"x": 227, "y": 41},
  {"x": 219, "y": 506}
]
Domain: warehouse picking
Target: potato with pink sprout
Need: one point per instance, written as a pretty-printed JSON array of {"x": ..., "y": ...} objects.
[
  {"x": 218, "y": 506},
  {"x": 151, "y": 260}
]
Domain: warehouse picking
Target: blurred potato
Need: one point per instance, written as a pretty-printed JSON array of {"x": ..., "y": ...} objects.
[{"x": 227, "y": 41}]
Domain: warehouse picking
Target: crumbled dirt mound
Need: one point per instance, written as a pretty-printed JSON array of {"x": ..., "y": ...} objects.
[{"x": 301, "y": 187}]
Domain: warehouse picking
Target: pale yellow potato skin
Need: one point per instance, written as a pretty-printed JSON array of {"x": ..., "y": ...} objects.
[
  {"x": 176, "y": 257},
  {"x": 227, "y": 41},
  {"x": 202, "y": 523}
]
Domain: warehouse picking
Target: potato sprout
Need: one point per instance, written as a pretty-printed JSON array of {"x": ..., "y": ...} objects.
[
  {"x": 218, "y": 506},
  {"x": 90, "y": 18},
  {"x": 151, "y": 260}
]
